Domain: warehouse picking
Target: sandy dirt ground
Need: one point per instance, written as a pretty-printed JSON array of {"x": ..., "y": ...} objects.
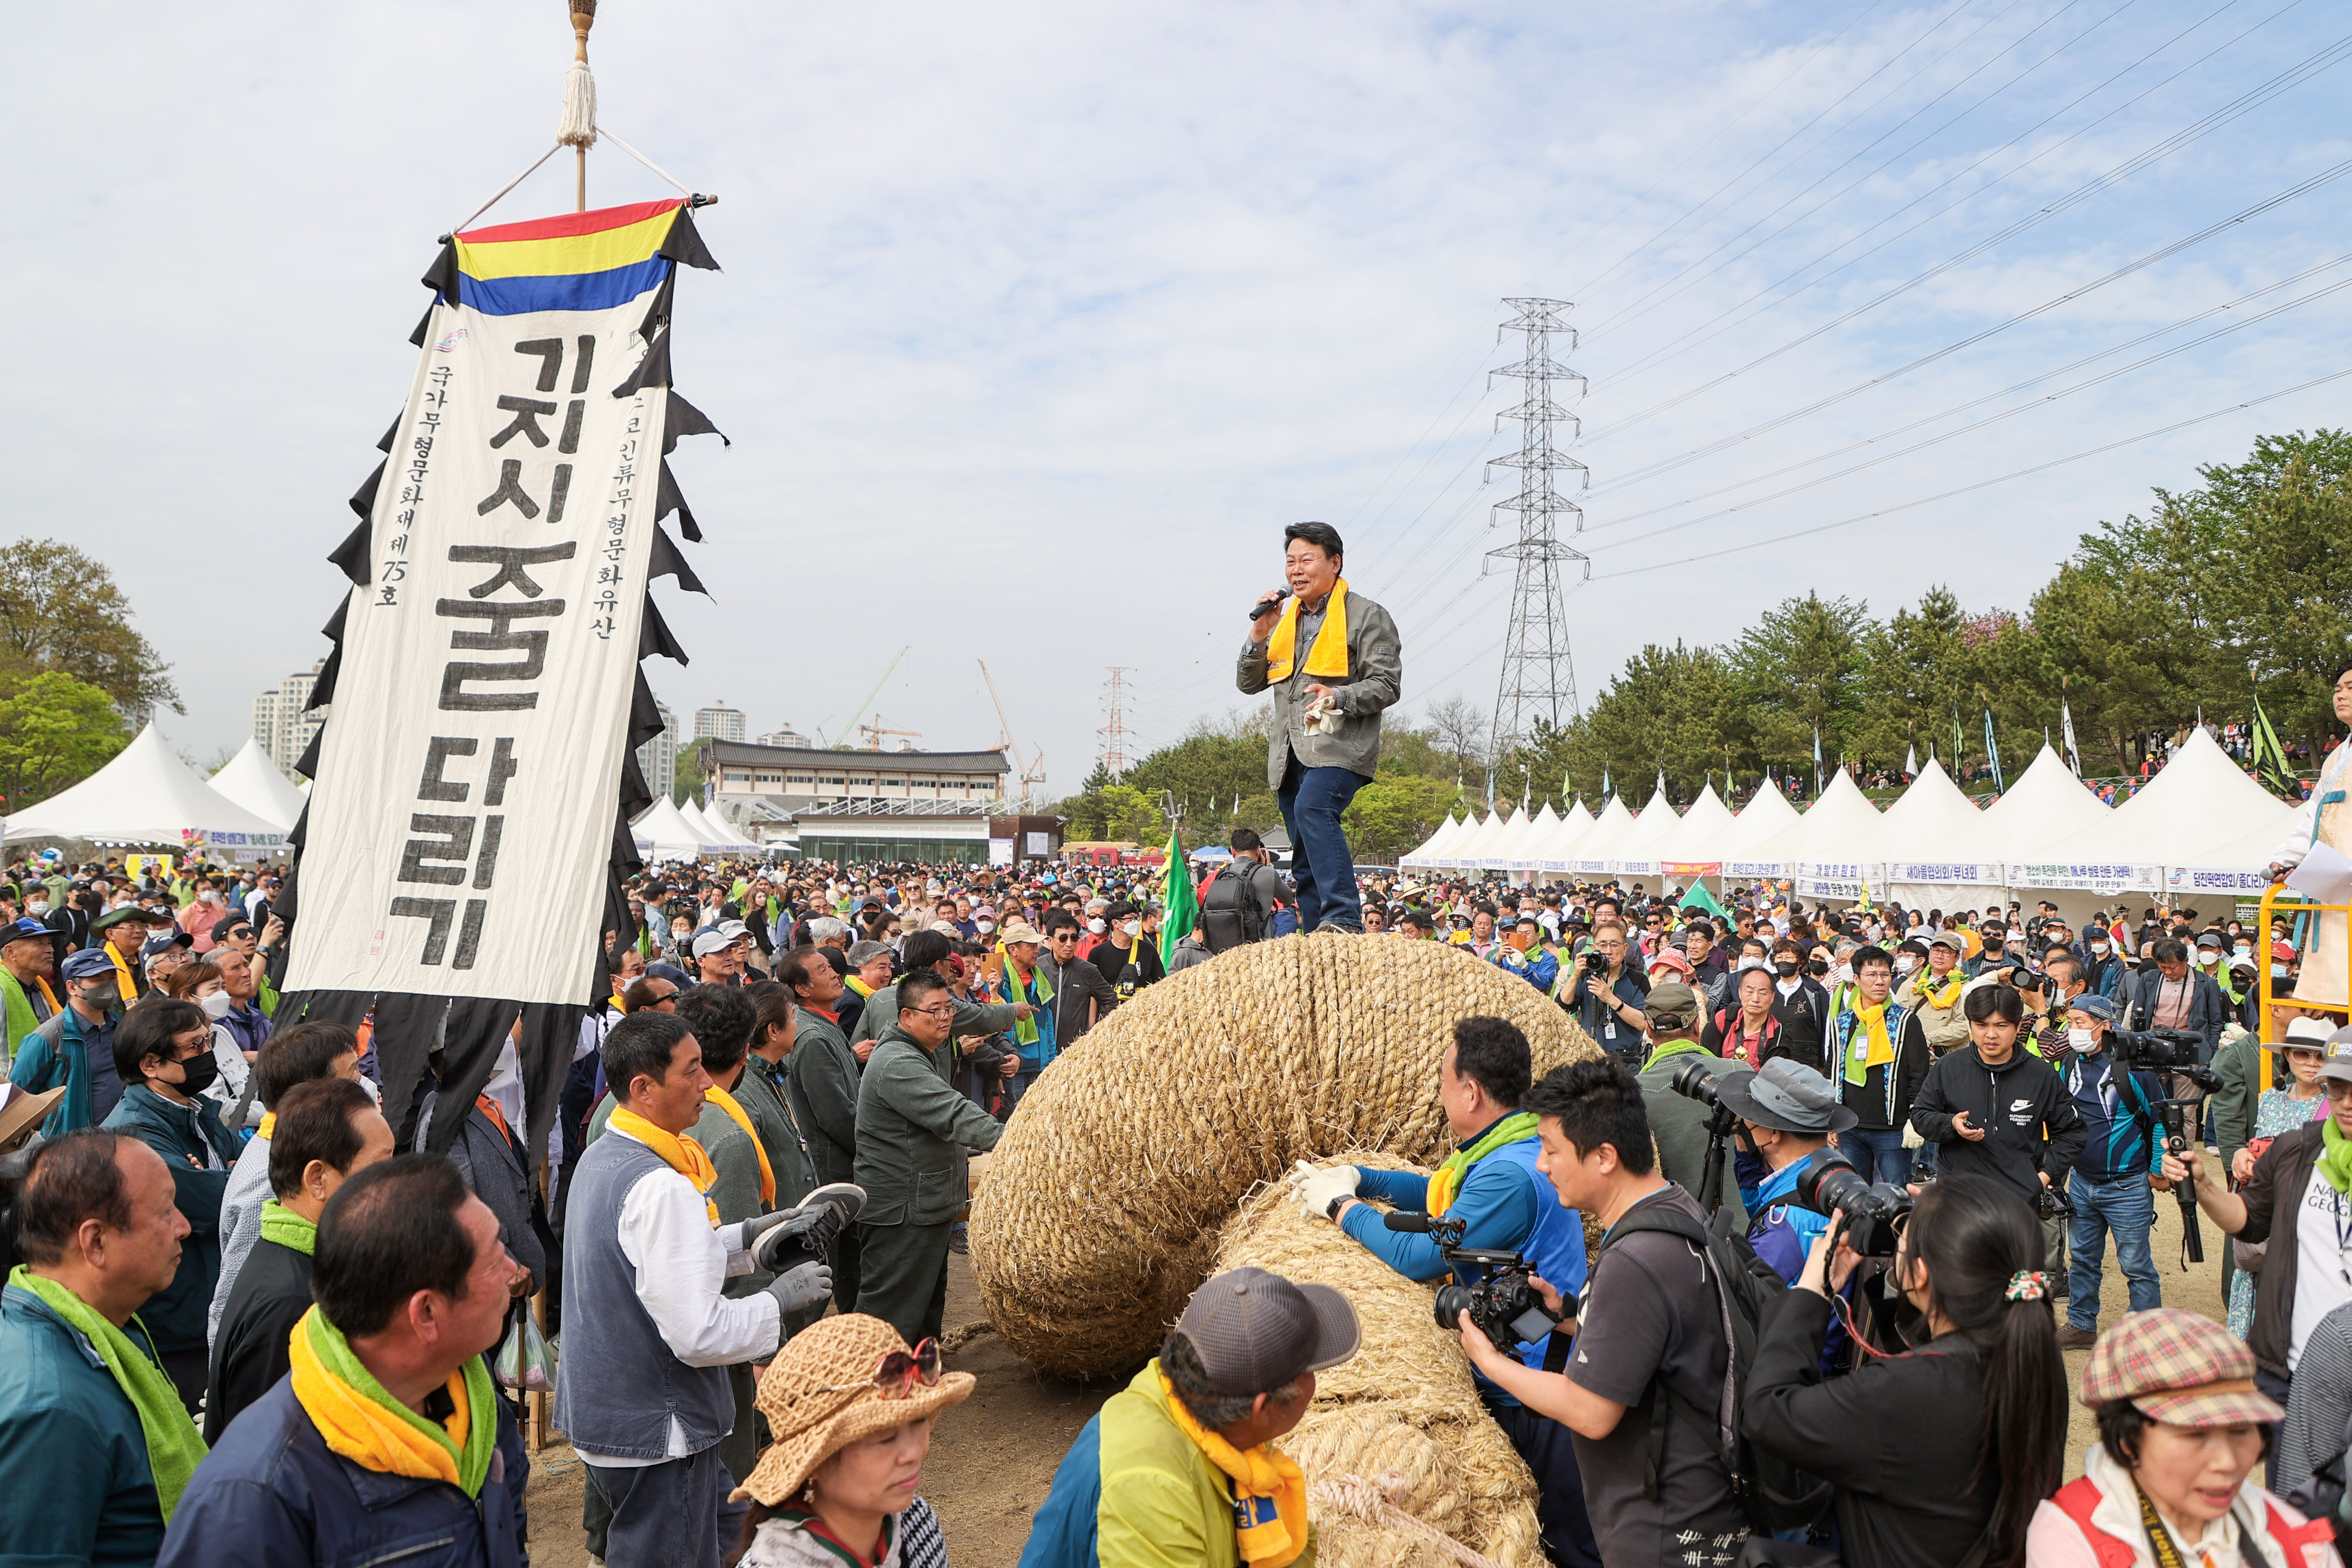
[{"x": 994, "y": 1455}]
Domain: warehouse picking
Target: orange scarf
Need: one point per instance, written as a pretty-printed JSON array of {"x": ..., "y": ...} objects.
[
  {"x": 683, "y": 1155},
  {"x": 726, "y": 1103}
]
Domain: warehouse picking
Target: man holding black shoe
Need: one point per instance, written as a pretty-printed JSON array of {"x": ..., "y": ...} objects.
[{"x": 1333, "y": 662}]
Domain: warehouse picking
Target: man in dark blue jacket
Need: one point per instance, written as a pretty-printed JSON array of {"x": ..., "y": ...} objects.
[
  {"x": 1490, "y": 1183},
  {"x": 386, "y": 1442},
  {"x": 2172, "y": 995},
  {"x": 2112, "y": 1182}
]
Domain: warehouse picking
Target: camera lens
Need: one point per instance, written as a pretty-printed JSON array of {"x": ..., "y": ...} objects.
[
  {"x": 1696, "y": 1081},
  {"x": 1453, "y": 1300}
]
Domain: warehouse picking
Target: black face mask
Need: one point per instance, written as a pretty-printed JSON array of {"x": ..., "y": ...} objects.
[
  {"x": 198, "y": 1074},
  {"x": 1788, "y": 968},
  {"x": 1818, "y": 967}
]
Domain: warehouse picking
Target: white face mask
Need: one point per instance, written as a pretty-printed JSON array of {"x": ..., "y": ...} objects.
[
  {"x": 1904, "y": 963},
  {"x": 1751, "y": 961},
  {"x": 2245, "y": 950},
  {"x": 1096, "y": 927},
  {"x": 1132, "y": 927},
  {"x": 2098, "y": 949},
  {"x": 2207, "y": 957},
  {"x": 208, "y": 897},
  {"x": 217, "y": 1005},
  {"x": 984, "y": 925},
  {"x": 2081, "y": 1040},
  {"x": 38, "y": 907}
]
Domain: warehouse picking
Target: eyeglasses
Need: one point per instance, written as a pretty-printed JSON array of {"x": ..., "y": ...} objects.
[
  {"x": 2335, "y": 1088},
  {"x": 897, "y": 1372},
  {"x": 945, "y": 1012}
]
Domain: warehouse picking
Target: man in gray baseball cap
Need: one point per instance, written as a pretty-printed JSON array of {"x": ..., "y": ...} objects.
[
  {"x": 1787, "y": 1111},
  {"x": 1180, "y": 1465}
]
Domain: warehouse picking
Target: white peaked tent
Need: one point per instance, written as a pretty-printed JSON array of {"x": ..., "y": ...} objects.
[
  {"x": 1699, "y": 838},
  {"x": 2201, "y": 802},
  {"x": 1953, "y": 872},
  {"x": 1932, "y": 809},
  {"x": 252, "y": 781},
  {"x": 1765, "y": 817},
  {"x": 1527, "y": 850},
  {"x": 1836, "y": 847},
  {"x": 1594, "y": 850},
  {"x": 1471, "y": 853},
  {"x": 713, "y": 831},
  {"x": 663, "y": 834},
  {"x": 1430, "y": 846},
  {"x": 146, "y": 796},
  {"x": 1503, "y": 830},
  {"x": 2239, "y": 868},
  {"x": 1558, "y": 849},
  {"x": 1636, "y": 853},
  {"x": 1450, "y": 855}
]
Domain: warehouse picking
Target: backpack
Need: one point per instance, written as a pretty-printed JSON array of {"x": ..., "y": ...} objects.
[
  {"x": 1229, "y": 917},
  {"x": 1774, "y": 1494}
]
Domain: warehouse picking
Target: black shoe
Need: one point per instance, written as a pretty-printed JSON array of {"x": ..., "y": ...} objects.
[
  {"x": 803, "y": 1238},
  {"x": 959, "y": 1238}
]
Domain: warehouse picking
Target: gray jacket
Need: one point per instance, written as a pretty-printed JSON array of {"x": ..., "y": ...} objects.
[
  {"x": 494, "y": 1172},
  {"x": 1376, "y": 670}
]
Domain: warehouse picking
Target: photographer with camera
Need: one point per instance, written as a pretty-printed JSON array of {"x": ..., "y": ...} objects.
[
  {"x": 2113, "y": 1185},
  {"x": 1492, "y": 1184},
  {"x": 1606, "y": 994},
  {"x": 1787, "y": 1113},
  {"x": 1940, "y": 1455},
  {"x": 1994, "y": 1110},
  {"x": 2171, "y": 994},
  {"x": 1678, "y": 1084},
  {"x": 1650, "y": 1345}
]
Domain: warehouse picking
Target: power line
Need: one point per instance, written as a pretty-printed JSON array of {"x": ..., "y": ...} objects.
[
  {"x": 2081, "y": 194},
  {"x": 1980, "y": 484}
]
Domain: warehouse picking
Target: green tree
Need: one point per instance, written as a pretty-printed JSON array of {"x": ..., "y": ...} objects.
[
  {"x": 1917, "y": 672},
  {"x": 1396, "y": 813},
  {"x": 60, "y": 611},
  {"x": 1799, "y": 664},
  {"x": 55, "y": 732},
  {"x": 692, "y": 770},
  {"x": 1675, "y": 710}
]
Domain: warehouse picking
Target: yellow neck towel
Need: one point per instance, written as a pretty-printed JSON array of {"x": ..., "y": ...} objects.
[
  {"x": 1943, "y": 999},
  {"x": 1329, "y": 655},
  {"x": 268, "y": 1125},
  {"x": 357, "y": 1419},
  {"x": 1269, "y": 1489},
  {"x": 726, "y": 1103},
  {"x": 683, "y": 1155}
]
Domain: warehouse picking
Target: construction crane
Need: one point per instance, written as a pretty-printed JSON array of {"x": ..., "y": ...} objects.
[
  {"x": 877, "y": 729},
  {"x": 866, "y": 702},
  {"x": 1032, "y": 769}
]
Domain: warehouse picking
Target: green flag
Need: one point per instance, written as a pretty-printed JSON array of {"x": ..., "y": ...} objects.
[
  {"x": 1698, "y": 895},
  {"x": 1176, "y": 898},
  {"x": 2272, "y": 768}
]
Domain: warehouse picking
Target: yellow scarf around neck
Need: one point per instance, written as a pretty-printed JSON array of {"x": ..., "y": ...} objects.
[
  {"x": 1870, "y": 1047},
  {"x": 1329, "y": 655},
  {"x": 727, "y": 1102},
  {"x": 358, "y": 1420},
  {"x": 268, "y": 1125},
  {"x": 1942, "y": 1000},
  {"x": 1269, "y": 1488},
  {"x": 683, "y": 1155}
]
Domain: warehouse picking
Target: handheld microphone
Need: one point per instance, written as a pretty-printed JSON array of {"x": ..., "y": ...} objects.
[{"x": 1259, "y": 609}]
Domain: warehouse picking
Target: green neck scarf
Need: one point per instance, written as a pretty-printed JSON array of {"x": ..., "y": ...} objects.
[
  {"x": 174, "y": 1446},
  {"x": 1673, "y": 1048},
  {"x": 1445, "y": 1182},
  {"x": 360, "y": 1420},
  {"x": 287, "y": 1228},
  {"x": 1038, "y": 992},
  {"x": 2335, "y": 1160}
]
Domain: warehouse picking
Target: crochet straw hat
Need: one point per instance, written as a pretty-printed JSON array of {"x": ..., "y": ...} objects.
[{"x": 819, "y": 1398}]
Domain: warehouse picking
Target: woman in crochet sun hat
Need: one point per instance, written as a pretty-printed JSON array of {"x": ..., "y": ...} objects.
[{"x": 851, "y": 1406}]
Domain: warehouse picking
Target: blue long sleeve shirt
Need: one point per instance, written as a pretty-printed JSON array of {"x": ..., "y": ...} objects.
[
  {"x": 2115, "y": 1143},
  {"x": 1495, "y": 1206}
]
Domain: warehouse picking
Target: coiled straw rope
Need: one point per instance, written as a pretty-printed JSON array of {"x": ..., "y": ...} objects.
[
  {"x": 1368, "y": 1501},
  {"x": 1150, "y": 1156}
]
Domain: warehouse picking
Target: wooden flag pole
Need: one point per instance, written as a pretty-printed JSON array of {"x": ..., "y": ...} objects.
[{"x": 577, "y": 127}]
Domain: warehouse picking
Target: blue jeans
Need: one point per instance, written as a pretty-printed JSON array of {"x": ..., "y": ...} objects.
[
  {"x": 1878, "y": 1153},
  {"x": 2127, "y": 1208},
  {"x": 1321, "y": 867}
]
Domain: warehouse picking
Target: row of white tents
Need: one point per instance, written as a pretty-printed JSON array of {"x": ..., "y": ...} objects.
[
  {"x": 147, "y": 795},
  {"x": 673, "y": 832},
  {"x": 2201, "y": 825}
]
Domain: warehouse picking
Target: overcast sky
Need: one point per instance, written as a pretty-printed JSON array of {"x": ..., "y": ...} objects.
[{"x": 1037, "y": 322}]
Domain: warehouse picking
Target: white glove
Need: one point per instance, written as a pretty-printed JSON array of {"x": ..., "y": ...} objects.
[
  {"x": 1317, "y": 1187},
  {"x": 806, "y": 1286}
]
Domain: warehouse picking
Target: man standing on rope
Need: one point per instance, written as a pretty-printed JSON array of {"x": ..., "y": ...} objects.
[{"x": 1333, "y": 662}]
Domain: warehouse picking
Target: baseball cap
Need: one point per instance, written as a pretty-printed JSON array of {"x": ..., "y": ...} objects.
[
  {"x": 1950, "y": 939},
  {"x": 2212, "y": 939},
  {"x": 90, "y": 960},
  {"x": 1671, "y": 958},
  {"x": 2091, "y": 1005},
  {"x": 2337, "y": 1060},
  {"x": 17, "y": 930},
  {"x": 1256, "y": 1330},
  {"x": 1786, "y": 1094},
  {"x": 157, "y": 945},
  {"x": 1673, "y": 1003},
  {"x": 2180, "y": 1368},
  {"x": 710, "y": 940}
]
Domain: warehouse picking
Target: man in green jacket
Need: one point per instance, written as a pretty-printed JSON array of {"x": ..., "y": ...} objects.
[
  {"x": 823, "y": 1088},
  {"x": 930, "y": 950},
  {"x": 1179, "y": 1470},
  {"x": 912, "y": 1131},
  {"x": 93, "y": 1440}
]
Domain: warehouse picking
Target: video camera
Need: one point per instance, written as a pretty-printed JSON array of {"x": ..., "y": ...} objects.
[
  {"x": 1875, "y": 1212},
  {"x": 1695, "y": 1080},
  {"x": 2164, "y": 1050},
  {"x": 1503, "y": 1301}
]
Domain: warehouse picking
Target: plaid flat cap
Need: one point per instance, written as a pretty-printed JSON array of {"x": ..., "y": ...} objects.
[{"x": 2180, "y": 1368}]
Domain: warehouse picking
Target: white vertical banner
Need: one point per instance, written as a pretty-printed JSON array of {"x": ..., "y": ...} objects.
[{"x": 461, "y": 825}]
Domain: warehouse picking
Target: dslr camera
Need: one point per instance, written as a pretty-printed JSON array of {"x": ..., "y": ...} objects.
[
  {"x": 1503, "y": 1302},
  {"x": 1695, "y": 1080},
  {"x": 2161, "y": 1050},
  {"x": 1875, "y": 1212},
  {"x": 1596, "y": 962}
]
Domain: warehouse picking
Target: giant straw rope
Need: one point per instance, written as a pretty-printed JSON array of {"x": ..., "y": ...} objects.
[{"x": 1133, "y": 1169}]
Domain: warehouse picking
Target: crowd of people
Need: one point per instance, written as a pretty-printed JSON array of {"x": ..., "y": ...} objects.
[{"x": 251, "y": 1303}]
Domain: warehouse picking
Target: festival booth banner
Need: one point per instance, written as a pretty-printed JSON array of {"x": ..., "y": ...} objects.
[
  {"x": 1963, "y": 873},
  {"x": 1849, "y": 881},
  {"x": 2200, "y": 879},
  {"x": 1634, "y": 868},
  {"x": 2106, "y": 880},
  {"x": 1691, "y": 868},
  {"x": 1755, "y": 870},
  {"x": 460, "y": 858}
]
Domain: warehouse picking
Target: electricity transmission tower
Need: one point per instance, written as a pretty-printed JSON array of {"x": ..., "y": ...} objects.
[
  {"x": 1113, "y": 752},
  {"x": 1538, "y": 679}
]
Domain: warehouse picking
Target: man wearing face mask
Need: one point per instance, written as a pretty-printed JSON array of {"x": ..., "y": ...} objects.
[
  {"x": 1121, "y": 946},
  {"x": 2171, "y": 994},
  {"x": 2114, "y": 1178},
  {"x": 1995, "y": 953},
  {"x": 1803, "y": 1002},
  {"x": 163, "y": 1054},
  {"x": 75, "y": 1047},
  {"x": 2103, "y": 971}
]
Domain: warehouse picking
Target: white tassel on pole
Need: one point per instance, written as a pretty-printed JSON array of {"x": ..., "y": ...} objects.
[{"x": 577, "y": 129}]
